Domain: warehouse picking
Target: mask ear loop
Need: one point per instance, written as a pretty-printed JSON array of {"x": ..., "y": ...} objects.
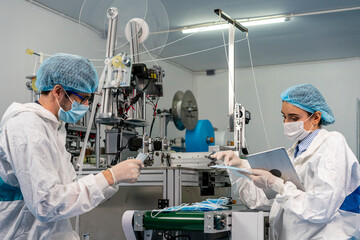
[
  {"x": 169, "y": 209},
  {"x": 311, "y": 124},
  {"x": 58, "y": 100},
  {"x": 68, "y": 96}
]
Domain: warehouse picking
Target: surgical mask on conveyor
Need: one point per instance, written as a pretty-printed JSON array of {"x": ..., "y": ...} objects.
[{"x": 208, "y": 205}]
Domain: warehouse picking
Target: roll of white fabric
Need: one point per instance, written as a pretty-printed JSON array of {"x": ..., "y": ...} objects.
[{"x": 222, "y": 138}]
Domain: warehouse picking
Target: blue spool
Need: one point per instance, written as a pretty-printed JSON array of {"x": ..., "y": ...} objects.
[{"x": 197, "y": 140}]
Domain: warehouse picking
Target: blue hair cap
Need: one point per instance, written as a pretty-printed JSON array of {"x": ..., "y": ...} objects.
[
  {"x": 72, "y": 72},
  {"x": 308, "y": 98}
]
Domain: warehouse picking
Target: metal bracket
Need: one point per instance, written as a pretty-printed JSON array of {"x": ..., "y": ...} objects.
[
  {"x": 219, "y": 221},
  {"x": 163, "y": 203},
  {"x": 138, "y": 221}
]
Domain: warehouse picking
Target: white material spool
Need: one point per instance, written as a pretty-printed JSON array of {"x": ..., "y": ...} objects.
[
  {"x": 142, "y": 25},
  {"x": 223, "y": 137}
]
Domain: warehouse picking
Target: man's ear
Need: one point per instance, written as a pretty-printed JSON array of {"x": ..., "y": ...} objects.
[{"x": 58, "y": 91}]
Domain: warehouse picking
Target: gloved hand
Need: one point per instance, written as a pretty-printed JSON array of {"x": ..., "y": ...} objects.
[
  {"x": 265, "y": 180},
  {"x": 126, "y": 171},
  {"x": 230, "y": 159}
]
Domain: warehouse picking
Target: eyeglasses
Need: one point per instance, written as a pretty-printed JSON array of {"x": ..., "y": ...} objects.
[{"x": 83, "y": 99}]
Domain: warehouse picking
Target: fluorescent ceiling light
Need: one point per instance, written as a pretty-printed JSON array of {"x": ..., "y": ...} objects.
[
  {"x": 242, "y": 22},
  {"x": 263, "y": 22},
  {"x": 207, "y": 28}
]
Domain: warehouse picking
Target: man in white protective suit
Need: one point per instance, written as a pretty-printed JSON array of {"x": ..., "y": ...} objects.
[
  {"x": 329, "y": 208},
  {"x": 39, "y": 191}
]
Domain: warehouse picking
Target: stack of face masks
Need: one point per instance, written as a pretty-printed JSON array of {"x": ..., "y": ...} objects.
[{"x": 207, "y": 205}]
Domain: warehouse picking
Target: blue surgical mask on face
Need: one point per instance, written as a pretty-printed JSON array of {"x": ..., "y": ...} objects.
[{"x": 76, "y": 112}]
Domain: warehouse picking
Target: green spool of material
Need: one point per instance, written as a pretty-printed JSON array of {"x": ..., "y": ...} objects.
[{"x": 180, "y": 221}]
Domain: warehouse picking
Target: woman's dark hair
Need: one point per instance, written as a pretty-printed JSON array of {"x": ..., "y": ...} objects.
[{"x": 309, "y": 114}]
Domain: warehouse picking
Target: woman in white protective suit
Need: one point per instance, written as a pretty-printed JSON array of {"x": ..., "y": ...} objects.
[
  {"x": 38, "y": 187},
  {"x": 330, "y": 173}
]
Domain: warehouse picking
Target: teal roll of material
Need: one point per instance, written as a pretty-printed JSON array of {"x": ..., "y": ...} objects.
[{"x": 199, "y": 139}]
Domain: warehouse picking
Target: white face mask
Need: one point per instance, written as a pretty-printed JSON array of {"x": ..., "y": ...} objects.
[{"x": 295, "y": 131}]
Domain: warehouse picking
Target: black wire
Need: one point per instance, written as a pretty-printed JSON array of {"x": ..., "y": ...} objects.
[
  {"x": 152, "y": 124},
  {"x": 154, "y": 117},
  {"x": 117, "y": 157},
  {"x": 138, "y": 95},
  {"x": 148, "y": 83}
]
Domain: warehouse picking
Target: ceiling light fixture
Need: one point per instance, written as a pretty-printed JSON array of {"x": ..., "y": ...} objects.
[
  {"x": 263, "y": 21},
  {"x": 245, "y": 23},
  {"x": 206, "y": 28}
]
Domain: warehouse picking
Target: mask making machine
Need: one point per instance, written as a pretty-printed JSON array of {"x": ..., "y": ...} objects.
[{"x": 118, "y": 119}]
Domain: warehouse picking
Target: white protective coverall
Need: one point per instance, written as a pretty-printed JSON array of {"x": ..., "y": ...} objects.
[
  {"x": 329, "y": 172},
  {"x": 33, "y": 158}
]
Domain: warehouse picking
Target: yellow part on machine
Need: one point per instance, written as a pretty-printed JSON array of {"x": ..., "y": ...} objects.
[
  {"x": 117, "y": 62},
  {"x": 29, "y": 51},
  {"x": 33, "y": 80}
]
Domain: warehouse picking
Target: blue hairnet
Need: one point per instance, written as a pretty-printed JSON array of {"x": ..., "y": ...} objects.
[
  {"x": 72, "y": 72},
  {"x": 308, "y": 98}
]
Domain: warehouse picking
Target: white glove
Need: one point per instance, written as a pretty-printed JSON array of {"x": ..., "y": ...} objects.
[
  {"x": 265, "y": 180},
  {"x": 126, "y": 171},
  {"x": 230, "y": 159}
]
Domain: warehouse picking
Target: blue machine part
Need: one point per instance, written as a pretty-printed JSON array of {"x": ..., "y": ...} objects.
[{"x": 199, "y": 139}]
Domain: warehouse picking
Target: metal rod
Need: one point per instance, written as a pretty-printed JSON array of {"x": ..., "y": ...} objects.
[
  {"x": 139, "y": 112},
  {"x": 112, "y": 14},
  {"x": 97, "y": 146},
  {"x": 134, "y": 43},
  {"x": 230, "y": 20},
  {"x": 231, "y": 68}
]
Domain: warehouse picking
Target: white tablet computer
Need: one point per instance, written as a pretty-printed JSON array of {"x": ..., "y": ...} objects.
[{"x": 279, "y": 164}]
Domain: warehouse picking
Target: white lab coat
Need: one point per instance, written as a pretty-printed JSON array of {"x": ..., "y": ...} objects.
[
  {"x": 34, "y": 158},
  {"x": 329, "y": 172}
]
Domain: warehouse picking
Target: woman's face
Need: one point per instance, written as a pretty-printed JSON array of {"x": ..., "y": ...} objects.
[{"x": 292, "y": 113}]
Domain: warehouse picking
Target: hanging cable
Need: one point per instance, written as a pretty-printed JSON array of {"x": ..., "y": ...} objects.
[
  {"x": 135, "y": 35},
  {"x": 256, "y": 90},
  {"x": 154, "y": 117},
  {"x": 153, "y": 49},
  {"x": 168, "y": 44},
  {"x": 192, "y": 53},
  {"x": 149, "y": 53}
]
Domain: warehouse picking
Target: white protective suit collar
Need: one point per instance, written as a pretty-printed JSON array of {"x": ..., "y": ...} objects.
[
  {"x": 321, "y": 136},
  {"x": 16, "y": 108}
]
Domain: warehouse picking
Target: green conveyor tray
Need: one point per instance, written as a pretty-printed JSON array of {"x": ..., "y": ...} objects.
[{"x": 179, "y": 221}]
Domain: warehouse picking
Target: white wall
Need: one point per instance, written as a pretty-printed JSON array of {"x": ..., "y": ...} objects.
[{"x": 338, "y": 80}]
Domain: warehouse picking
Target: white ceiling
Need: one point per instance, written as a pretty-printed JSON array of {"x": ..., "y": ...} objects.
[{"x": 303, "y": 38}]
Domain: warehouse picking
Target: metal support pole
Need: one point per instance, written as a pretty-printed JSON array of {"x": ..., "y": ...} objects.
[
  {"x": 134, "y": 43},
  {"x": 106, "y": 108},
  {"x": 97, "y": 145},
  {"x": 112, "y": 14},
  {"x": 231, "y": 70},
  {"x": 239, "y": 134},
  {"x": 140, "y": 106}
]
